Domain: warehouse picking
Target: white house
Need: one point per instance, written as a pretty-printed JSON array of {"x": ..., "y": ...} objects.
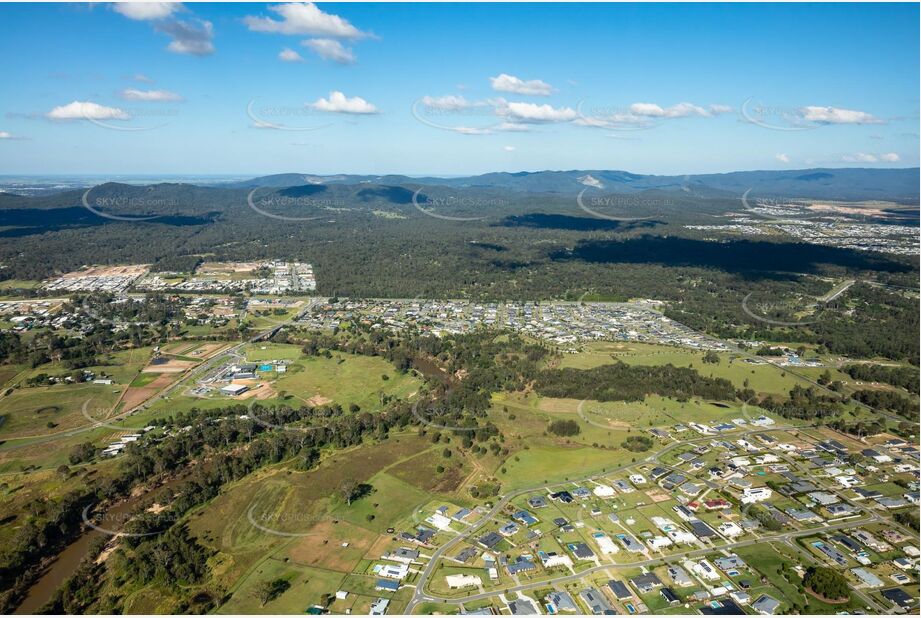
[{"x": 751, "y": 495}]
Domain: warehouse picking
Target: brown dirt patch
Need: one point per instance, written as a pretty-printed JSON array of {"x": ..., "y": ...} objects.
[
  {"x": 260, "y": 392},
  {"x": 170, "y": 365},
  {"x": 657, "y": 496},
  {"x": 319, "y": 400},
  {"x": 323, "y": 548}
]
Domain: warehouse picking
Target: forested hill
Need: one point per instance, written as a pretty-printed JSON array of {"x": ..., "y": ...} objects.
[{"x": 900, "y": 185}]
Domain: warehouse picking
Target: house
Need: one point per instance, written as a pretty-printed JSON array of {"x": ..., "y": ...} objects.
[
  {"x": 465, "y": 554},
  {"x": 766, "y": 605},
  {"x": 392, "y": 571},
  {"x": 508, "y": 529},
  {"x": 581, "y": 551},
  {"x": 562, "y": 496},
  {"x": 899, "y": 597},
  {"x": 537, "y": 502},
  {"x": 620, "y": 590},
  {"x": 723, "y": 607},
  {"x": 705, "y": 570},
  {"x": 802, "y": 515},
  {"x": 646, "y": 582},
  {"x": 870, "y": 541},
  {"x": 552, "y": 559},
  {"x": 595, "y": 601},
  {"x": 561, "y": 601},
  {"x": 740, "y": 597},
  {"x": 630, "y": 543},
  {"x": 489, "y": 540},
  {"x": 730, "y": 530},
  {"x": 525, "y": 518},
  {"x": 379, "y": 607},
  {"x": 680, "y": 577},
  {"x": 729, "y": 563},
  {"x": 521, "y": 564},
  {"x": 750, "y": 495},
  {"x": 458, "y": 581},
  {"x": 522, "y": 607},
  {"x": 403, "y": 554},
  {"x": 669, "y": 595},
  {"x": 701, "y": 530},
  {"x": 867, "y": 577},
  {"x": 603, "y": 491},
  {"x": 605, "y": 544},
  {"x": 386, "y": 585}
]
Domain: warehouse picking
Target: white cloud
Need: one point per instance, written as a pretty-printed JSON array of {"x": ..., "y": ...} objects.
[
  {"x": 6, "y": 135},
  {"x": 515, "y": 127},
  {"x": 447, "y": 102},
  {"x": 890, "y": 157},
  {"x": 188, "y": 38},
  {"x": 304, "y": 18},
  {"x": 289, "y": 55},
  {"x": 681, "y": 110},
  {"x": 532, "y": 112},
  {"x": 86, "y": 110},
  {"x": 836, "y": 115},
  {"x": 132, "y": 94},
  {"x": 145, "y": 11},
  {"x": 720, "y": 109},
  {"x": 472, "y": 130},
  {"x": 140, "y": 77},
  {"x": 860, "y": 157},
  {"x": 341, "y": 104},
  {"x": 782, "y": 157},
  {"x": 509, "y": 83},
  {"x": 508, "y": 148},
  {"x": 330, "y": 49}
]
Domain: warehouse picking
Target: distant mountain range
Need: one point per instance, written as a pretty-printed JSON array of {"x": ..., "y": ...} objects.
[{"x": 899, "y": 185}]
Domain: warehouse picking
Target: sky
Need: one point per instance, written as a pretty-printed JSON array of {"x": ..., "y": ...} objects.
[{"x": 452, "y": 89}]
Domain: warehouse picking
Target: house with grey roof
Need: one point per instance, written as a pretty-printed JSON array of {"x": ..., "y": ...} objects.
[
  {"x": 561, "y": 601},
  {"x": 766, "y": 605},
  {"x": 595, "y": 601}
]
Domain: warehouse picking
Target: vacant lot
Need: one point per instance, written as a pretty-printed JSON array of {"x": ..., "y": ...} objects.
[
  {"x": 28, "y": 411},
  {"x": 346, "y": 379}
]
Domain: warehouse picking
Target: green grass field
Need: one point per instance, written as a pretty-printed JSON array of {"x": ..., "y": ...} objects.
[
  {"x": 346, "y": 379},
  {"x": 27, "y": 411},
  {"x": 763, "y": 378},
  {"x": 256, "y": 352}
]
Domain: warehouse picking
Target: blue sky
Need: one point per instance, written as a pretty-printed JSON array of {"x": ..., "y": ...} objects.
[{"x": 456, "y": 89}]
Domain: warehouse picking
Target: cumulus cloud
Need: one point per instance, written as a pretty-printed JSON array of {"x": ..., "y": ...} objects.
[
  {"x": 890, "y": 157},
  {"x": 146, "y": 11},
  {"x": 447, "y": 102},
  {"x": 289, "y": 55},
  {"x": 158, "y": 96},
  {"x": 304, "y": 18},
  {"x": 681, "y": 110},
  {"x": 782, "y": 157},
  {"x": 187, "y": 37},
  {"x": 509, "y": 83},
  {"x": 330, "y": 49},
  {"x": 532, "y": 112},
  {"x": 515, "y": 127},
  {"x": 860, "y": 157},
  {"x": 86, "y": 110},
  {"x": 836, "y": 115},
  {"x": 340, "y": 104}
]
